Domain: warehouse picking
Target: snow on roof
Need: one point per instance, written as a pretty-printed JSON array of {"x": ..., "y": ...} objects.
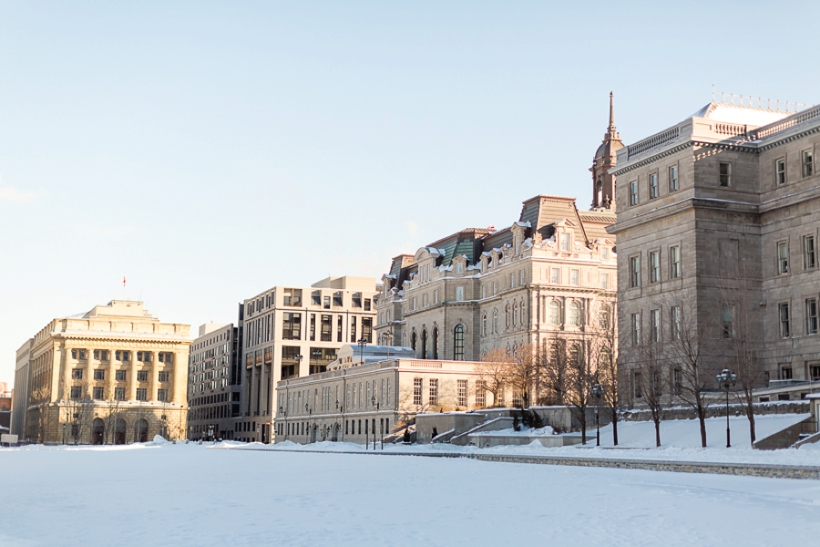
[{"x": 740, "y": 114}]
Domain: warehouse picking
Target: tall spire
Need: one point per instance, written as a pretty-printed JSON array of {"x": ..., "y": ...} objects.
[
  {"x": 611, "y": 114},
  {"x": 611, "y": 132}
]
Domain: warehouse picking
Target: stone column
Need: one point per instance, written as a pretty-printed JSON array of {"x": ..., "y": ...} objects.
[
  {"x": 179, "y": 379},
  {"x": 152, "y": 395},
  {"x": 112, "y": 374},
  {"x": 89, "y": 372}
]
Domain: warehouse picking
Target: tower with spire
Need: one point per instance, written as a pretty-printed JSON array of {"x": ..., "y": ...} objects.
[{"x": 603, "y": 184}]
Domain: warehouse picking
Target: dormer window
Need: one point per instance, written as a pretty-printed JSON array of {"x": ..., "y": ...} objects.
[
  {"x": 565, "y": 242},
  {"x": 459, "y": 268}
]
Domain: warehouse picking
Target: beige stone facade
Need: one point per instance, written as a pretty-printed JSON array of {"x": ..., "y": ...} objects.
[
  {"x": 289, "y": 332},
  {"x": 718, "y": 223},
  {"x": 113, "y": 375},
  {"x": 359, "y": 403},
  {"x": 552, "y": 273}
]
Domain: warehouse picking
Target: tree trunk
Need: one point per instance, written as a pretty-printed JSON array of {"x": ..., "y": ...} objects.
[
  {"x": 752, "y": 424},
  {"x": 583, "y": 426},
  {"x": 702, "y": 420},
  {"x": 614, "y": 427},
  {"x": 657, "y": 432}
]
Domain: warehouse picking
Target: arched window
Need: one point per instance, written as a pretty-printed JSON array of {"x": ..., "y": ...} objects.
[
  {"x": 507, "y": 316},
  {"x": 522, "y": 321},
  {"x": 119, "y": 431},
  {"x": 574, "y": 314},
  {"x": 555, "y": 312},
  {"x": 495, "y": 321},
  {"x": 604, "y": 316},
  {"x": 484, "y": 324},
  {"x": 458, "y": 343},
  {"x": 435, "y": 343},
  {"x": 576, "y": 354},
  {"x": 515, "y": 314},
  {"x": 141, "y": 431},
  {"x": 424, "y": 344},
  {"x": 97, "y": 431},
  {"x": 413, "y": 341}
]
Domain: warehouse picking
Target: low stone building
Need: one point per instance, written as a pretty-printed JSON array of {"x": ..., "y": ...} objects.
[
  {"x": 113, "y": 375},
  {"x": 358, "y": 403}
]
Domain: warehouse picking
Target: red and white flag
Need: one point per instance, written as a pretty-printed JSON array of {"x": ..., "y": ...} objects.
[{"x": 123, "y": 281}]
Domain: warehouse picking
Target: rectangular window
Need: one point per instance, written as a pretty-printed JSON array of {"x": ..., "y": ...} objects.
[
  {"x": 786, "y": 372},
  {"x": 811, "y": 316},
  {"x": 808, "y": 165},
  {"x": 814, "y": 370},
  {"x": 120, "y": 375},
  {"x": 653, "y": 186},
  {"x": 163, "y": 376},
  {"x": 674, "y": 262},
  {"x": 144, "y": 356},
  {"x": 636, "y": 329},
  {"x": 635, "y": 271},
  {"x": 76, "y": 392},
  {"x": 77, "y": 374},
  {"x": 292, "y": 297},
  {"x": 292, "y": 326},
  {"x": 654, "y": 266},
  {"x": 462, "y": 392},
  {"x": 339, "y": 327},
  {"x": 673, "y": 178},
  {"x": 783, "y": 312},
  {"x": 780, "y": 171},
  {"x": 782, "y": 258},
  {"x": 433, "y": 392},
  {"x": 417, "y": 388},
  {"x": 459, "y": 293},
  {"x": 809, "y": 253},
  {"x": 480, "y": 394},
  {"x": 655, "y": 325},
  {"x": 636, "y": 385},
  {"x": 725, "y": 174},
  {"x": 367, "y": 329},
  {"x": 142, "y": 376},
  {"x": 388, "y": 392},
  {"x": 727, "y": 320},
  {"x": 555, "y": 276},
  {"x": 633, "y": 192},
  {"x": 123, "y": 355},
  {"x": 99, "y": 374},
  {"x": 99, "y": 393},
  {"x": 675, "y": 320},
  {"x": 119, "y": 393},
  {"x": 312, "y": 327},
  {"x": 162, "y": 395},
  {"x": 573, "y": 277},
  {"x": 353, "y": 329},
  {"x": 521, "y": 278},
  {"x": 677, "y": 381},
  {"x": 166, "y": 357},
  {"x": 101, "y": 355},
  {"x": 142, "y": 394},
  {"x": 326, "y": 302},
  {"x": 604, "y": 281}
]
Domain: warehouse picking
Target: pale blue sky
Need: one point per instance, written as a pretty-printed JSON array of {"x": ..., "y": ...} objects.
[{"x": 211, "y": 150}]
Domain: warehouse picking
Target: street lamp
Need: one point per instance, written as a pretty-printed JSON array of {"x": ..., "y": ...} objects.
[
  {"x": 362, "y": 343},
  {"x": 726, "y": 380},
  {"x": 376, "y": 403},
  {"x": 64, "y": 424},
  {"x": 310, "y": 413},
  {"x": 597, "y": 391}
]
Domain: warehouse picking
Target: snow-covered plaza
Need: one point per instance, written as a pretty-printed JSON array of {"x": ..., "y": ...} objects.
[{"x": 189, "y": 494}]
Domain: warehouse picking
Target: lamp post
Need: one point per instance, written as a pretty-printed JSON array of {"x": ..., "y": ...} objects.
[
  {"x": 64, "y": 424},
  {"x": 310, "y": 413},
  {"x": 377, "y": 404},
  {"x": 726, "y": 379},
  {"x": 597, "y": 391},
  {"x": 362, "y": 343}
]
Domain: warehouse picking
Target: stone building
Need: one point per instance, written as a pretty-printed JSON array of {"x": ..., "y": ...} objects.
[
  {"x": 215, "y": 383},
  {"x": 359, "y": 400},
  {"x": 290, "y": 332},
  {"x": 717, "y": 229},
  {"x": 552, "y": 273},
  {"x": 113, "y": 375},
  {"x": 21, "y": 391}
]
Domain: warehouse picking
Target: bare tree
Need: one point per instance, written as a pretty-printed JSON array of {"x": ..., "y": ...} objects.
[
  {"x": 554, "y": 372},
  {"x": 742, "y": 339},
  {"x": 694, "y": 378},
  {"x": 651, "y": 373},
  {"x": 494, "y": 372},
  {"x": 523, "y": 372},
  {"x": 604, "y": 350},
  {"x": 580, "y": 378}
]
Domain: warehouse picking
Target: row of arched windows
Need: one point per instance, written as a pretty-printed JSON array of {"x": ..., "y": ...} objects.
[{"x": 422, "y": 351}]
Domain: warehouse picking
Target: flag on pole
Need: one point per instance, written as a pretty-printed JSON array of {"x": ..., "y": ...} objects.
[{"x": 123, "y": 281}]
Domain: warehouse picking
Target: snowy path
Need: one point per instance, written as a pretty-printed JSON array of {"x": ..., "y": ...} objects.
[{"x": 190, "y": 495}]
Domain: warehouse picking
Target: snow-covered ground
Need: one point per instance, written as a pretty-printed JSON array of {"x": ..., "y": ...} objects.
[
  {"x": 680, "y": 442},
  {"x": 196, "y": 495}
]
